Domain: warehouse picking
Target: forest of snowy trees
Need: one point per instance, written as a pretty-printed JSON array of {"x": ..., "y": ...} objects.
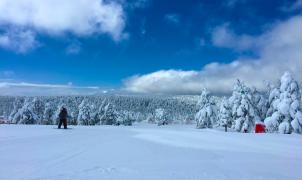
[
  {"x": 279, "y": 109},
  {"x": 99, "y": 110}
]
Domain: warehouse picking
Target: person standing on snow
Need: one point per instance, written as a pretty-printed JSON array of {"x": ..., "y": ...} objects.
[{"x": 63, "y": 118}]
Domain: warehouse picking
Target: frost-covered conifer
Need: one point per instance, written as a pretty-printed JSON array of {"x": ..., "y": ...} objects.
[
  {"x": 84, "y": 113},
  {"x": 93, "y": 115},
  {"x": 110, "y": 115},
  {"x": 128, "y": 118},
  {"x": 161, "y": 117},
  {"x": 72, "y": 109},
  {"x": 206, "y": 116},
  {"x": 100, "y": 112},
  {"x": 38, "y": 109},
  {"x": 26, "y": 114},
  {"x": 48, "y": 114},
  {"x": 16, "y": 107},
  {"x": 285, "y": 107},
  {"x": 150, "y": 118},
  {"x": 224, "y": 116},
  {"x": 243, "y": 110},
  {"x": 260, "y": 103}
]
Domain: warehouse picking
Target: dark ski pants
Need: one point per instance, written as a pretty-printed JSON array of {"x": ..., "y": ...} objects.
[{"x": 64, "y": 122}]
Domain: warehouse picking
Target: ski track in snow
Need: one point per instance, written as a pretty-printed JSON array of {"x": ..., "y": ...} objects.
[{"x": 146, "y": 152}]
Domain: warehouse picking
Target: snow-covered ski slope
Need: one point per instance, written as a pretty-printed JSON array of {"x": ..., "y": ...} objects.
[{"x": 146, "y": 152}]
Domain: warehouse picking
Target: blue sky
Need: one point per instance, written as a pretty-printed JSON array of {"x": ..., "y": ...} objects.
[{"x": 145, "y": 46}]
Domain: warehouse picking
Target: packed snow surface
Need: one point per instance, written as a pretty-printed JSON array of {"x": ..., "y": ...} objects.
[{"x": 146, "y": 152}]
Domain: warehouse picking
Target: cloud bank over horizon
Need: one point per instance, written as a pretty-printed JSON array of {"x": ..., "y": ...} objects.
[
  {"x": 39, "y": 89},
  {"x": 278, "y": 49}
]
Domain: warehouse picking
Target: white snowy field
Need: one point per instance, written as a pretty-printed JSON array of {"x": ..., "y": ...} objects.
[{"x": 146, "y": 152}]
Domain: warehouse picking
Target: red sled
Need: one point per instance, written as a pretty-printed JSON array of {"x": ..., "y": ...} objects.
[{"x": 260, "y": 128}]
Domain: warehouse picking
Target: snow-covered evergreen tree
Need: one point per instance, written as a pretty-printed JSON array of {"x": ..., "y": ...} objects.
[
  {"x": 297, "y": 123},
  {"x": 161, "y": 117},
  {"x": 38, "y": 109},
  {"x": 93, "y": 115},
  {"x": 100, "y": 112},
  {"x": 285, "y": 107},
  {"x": 48, "y": 114},
  {"x": 26, "y": 114},
  {"x": 224, "y": 116},
  {"x": 150, "y": 118},
  {"x": 260, "y": 103},
  {"x": 206, "y": 116},
  {"x": 84, "y": 113},
  {"x": 125, "y": 118},
  {"x": 16, "y": 107},
  {"x": 243, "y": 110},
  {"x": 110, "y": 115},
  {"x": 72, "y": 110},
  {"x": 128, "y": 118}
]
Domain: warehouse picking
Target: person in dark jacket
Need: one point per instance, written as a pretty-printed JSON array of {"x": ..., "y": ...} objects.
[{"x": 63, "y": 118}]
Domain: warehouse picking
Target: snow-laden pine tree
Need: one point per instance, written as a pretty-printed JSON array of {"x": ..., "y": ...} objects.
[
  {"x": 206, "y": 117},
  {"x": 243, "y": 110},
  {"x": 150, "y": 118},
  {"x": 48, "y": 114},
  {"x": 72, "y": 109},
  {"x": 84, "y": 113},
  {"x": 18, "y": 103},
  {"x": 285, "y": 107},
  {"x": 125, "y": 118},
  {"x": 128, "y": 118},
  {"x": 26, "y": 114},
  {"x": 93, "y": 115},
  {"x": 260, "y": 103},
  {"x": 297, "y": 123},
  {"x": 110, "y": 115},
  {"x": 100, "y": 112},
  {"x": 224, "y": 115},
  {"x": 160, "y": 117},
  {"x": 38, "y": 109}
]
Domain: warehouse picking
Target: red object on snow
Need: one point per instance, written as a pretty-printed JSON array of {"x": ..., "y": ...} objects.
[{"x": 260, "y": 128}]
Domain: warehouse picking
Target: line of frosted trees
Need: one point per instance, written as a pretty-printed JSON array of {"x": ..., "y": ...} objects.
[
  {"x": 100, "y": 110},
  {"x": 279, "y": 109},
  {"x": 34, "y": 111}
]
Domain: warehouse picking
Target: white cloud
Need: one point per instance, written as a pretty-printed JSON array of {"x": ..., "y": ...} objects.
[
  {"x": 279, "y": 50},
  {"x": 53, "y": 17},
  {"x": 74, "y": 48},
  {"x": 172, "y": 18},
  {"x": 164, "y": 81},
  {"x": 232, "y": 3},
  {"x": 7, "y": 73},
  {"x": 136, "y": 3},
  {"x": 298, "y": 4},
  {"x": 29, "y": 89},
  {"x": 24, "y": 84},
  {"x": 223, "y": 36},
  {"x": 292, "y": 7},
  {"x": 18, "y": 40}
]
